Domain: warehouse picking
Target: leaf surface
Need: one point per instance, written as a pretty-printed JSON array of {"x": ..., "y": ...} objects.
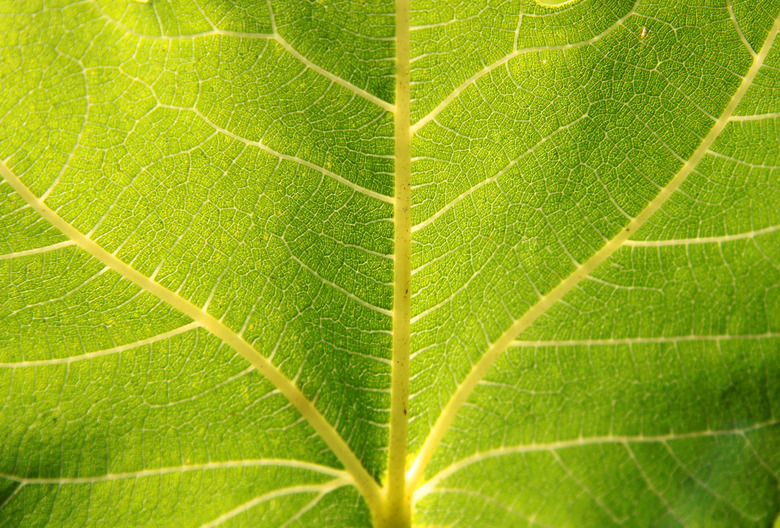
[{"x": 305, "y": 263}]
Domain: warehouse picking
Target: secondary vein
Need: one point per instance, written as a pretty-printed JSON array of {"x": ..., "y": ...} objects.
[
  {"x": 495, "y": 350},
  {"x": 362, "y": 479}
]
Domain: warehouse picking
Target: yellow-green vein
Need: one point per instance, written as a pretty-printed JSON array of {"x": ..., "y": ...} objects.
[
  {"x": 397, "y": 504},
  {"x": 362, "y": 480},
  {"x": 479, "y": 370}
]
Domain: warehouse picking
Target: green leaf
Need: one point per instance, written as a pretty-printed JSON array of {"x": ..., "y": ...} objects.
[{"x": 354, "y": 262}]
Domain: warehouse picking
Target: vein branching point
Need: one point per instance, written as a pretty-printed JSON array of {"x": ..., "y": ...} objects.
[{"x": 515, "y": 99}]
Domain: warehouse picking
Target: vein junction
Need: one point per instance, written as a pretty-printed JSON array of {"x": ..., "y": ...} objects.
[
  {"x": 400, "y": 484},
  {"x": 466, "y": 387},
  {"x": 360, "y": 477}
]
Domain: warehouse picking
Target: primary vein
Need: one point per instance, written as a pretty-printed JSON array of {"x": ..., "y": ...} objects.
[
  {"x": 479, "y": 370},
  {"x": 396, "y": 490},
  {"x": 363, "y": 481}
]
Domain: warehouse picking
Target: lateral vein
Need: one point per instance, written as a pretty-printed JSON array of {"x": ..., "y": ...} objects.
[
  {"x": 321, "y": 489},
  {"x": 338, "y": 288},
  {"x": 756, "y": 117},
  {"x": 36, "y": 251},
  {"x": 336, "y": 79},
  {"x": 208, "y": 466},
  {"x": 281, "y": 155},
  {"x": 641, "y": 340},
  {"x": 257, "y": 36},
  {"x": 508, "y": 57},
  {"x": 431, "y": 483},
  {"x": 455, "y": 201},
  {"x": 494, "y": 351},
  {"x": 363, "y": 481},
  {"x": 100, "y": 353},
  {"x": 702, "y": 240}
]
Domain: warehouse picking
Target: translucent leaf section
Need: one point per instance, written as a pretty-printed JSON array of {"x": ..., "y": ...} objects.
[
  {"x": 647, "y": 395},
  {"x": 295, "y": 263},
  {"x": 542, "y": 160},
  {"x": 239, "y": 172}
]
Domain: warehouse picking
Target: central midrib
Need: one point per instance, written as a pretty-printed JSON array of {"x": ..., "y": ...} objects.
[
  {"x": 397, "y": 496},
  {"x": 396, "y": 503}
]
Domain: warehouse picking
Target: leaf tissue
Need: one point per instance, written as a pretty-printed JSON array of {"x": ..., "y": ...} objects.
[{"x": 353, "y": 263}]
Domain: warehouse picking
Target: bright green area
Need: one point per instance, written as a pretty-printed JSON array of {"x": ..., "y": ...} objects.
[{"x": 240, "y": 153}]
